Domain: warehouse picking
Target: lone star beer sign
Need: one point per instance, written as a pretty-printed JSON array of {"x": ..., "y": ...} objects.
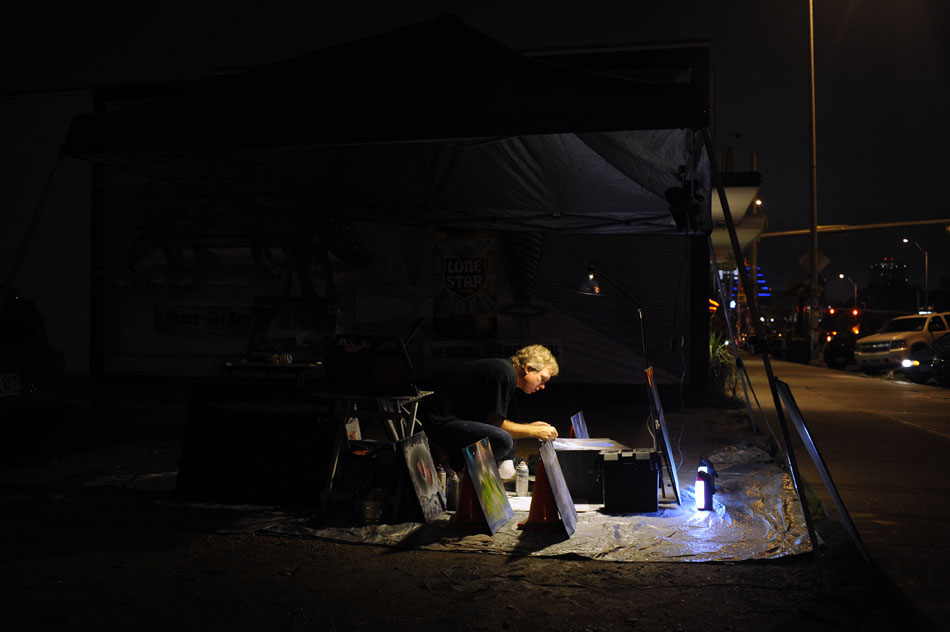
[
  {"x": 465, "y": 299},
  {"x": 464, "y": 276}
]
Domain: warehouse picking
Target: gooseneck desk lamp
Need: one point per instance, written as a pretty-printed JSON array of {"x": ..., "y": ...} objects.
[{"x": 590, "y": 285}]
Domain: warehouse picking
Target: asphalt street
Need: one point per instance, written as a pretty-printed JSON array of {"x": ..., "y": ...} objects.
[{"x": 884, "y": 441}]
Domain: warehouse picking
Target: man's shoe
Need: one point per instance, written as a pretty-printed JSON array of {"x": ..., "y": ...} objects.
[{"x": 506, "y": 469}]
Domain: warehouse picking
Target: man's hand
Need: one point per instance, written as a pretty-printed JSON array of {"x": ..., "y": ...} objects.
[{"x": 545, "y": 431}]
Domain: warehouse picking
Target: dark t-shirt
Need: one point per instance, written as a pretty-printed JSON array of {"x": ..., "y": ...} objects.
[{"x": 474, "y": 391}]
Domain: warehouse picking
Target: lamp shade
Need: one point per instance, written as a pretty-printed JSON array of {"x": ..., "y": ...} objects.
[{"x": 589, "y": 284}]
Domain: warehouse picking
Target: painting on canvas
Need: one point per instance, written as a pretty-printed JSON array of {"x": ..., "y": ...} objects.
[
  {"x": 483, "y": 472},
  {"x": 562, "y": 495},
  {"x": 422, "y": 473}
]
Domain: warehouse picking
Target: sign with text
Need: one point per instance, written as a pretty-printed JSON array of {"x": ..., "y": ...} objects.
[
  {"x": 464, "y": 276},
  {"x": 465, "y": 302},
  {"x": 202, "y": 319}
]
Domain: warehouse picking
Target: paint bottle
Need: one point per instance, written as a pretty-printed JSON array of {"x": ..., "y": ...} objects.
[
  {"x": 373, "y": 507},
  {"x": 452, "y": 492},
  {"x": 441, "y": 473},
  {"x": 521, "y": 479}
]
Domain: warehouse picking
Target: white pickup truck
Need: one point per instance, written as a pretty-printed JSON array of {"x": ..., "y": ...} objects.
[{"x": 899, "y": 338}]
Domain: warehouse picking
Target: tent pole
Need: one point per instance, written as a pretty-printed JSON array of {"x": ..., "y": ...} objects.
[
  {"x": 743, "y": 374},
  {"x": 34, "y": 222},
  {"x": 760, "y": 334}
]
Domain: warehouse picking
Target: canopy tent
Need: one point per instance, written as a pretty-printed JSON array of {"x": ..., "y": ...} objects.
[
  {"x": 432, "y": 124},
  {"x": 436, "y": 124}
]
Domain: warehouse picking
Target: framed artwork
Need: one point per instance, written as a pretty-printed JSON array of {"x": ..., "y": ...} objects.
[
  {"x": 588, "y": 444},
  {"x": 579, "y": 425},
  {"x": 562, "y": 495},
  {"x": 422, "y": 473},
  {"x": 483, "y": 472},
  {"x": 785, "y": 393},
  {"x": 666, "y": 450}
]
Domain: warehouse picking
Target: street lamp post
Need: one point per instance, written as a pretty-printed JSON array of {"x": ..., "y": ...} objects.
[
  {"x": 926, "y": 271},
  {"x": 816, "y": 293},
  {"x": 855, "y": 285}
]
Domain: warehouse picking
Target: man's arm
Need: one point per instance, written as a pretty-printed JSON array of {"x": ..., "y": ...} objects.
[{"x": 539, "y": 430}]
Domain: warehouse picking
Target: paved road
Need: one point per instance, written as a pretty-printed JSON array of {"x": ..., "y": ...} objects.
[{"x": 886, "y": 444}]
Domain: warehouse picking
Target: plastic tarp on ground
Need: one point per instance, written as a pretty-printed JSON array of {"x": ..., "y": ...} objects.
[{"x": 756, "y": 516}]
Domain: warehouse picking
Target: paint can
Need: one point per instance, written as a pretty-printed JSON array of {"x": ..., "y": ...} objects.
[
  {"x": 452, "y": 492},
  {"x": 521, "y": 479},
  {"x": 441, "y": 473}
]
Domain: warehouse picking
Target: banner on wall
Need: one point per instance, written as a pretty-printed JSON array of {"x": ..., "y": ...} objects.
[{"x": 465, "y": 285}]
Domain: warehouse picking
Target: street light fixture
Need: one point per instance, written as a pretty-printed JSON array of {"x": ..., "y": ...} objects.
[
  {"x": 926, "y": 270},
  {"x": 855, "y": 285}
]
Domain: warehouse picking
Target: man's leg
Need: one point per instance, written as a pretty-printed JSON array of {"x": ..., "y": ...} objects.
[{"x": 453, "y": 436}]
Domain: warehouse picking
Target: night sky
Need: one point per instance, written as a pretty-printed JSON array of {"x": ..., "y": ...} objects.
[{"x": 883, "y": 89}]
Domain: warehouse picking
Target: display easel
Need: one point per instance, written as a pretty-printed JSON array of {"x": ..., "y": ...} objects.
[{"x": 397, "y": 414}]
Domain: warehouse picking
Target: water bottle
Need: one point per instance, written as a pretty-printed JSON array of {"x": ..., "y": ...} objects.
[
  {"x": 521, "y": 479},
  {"x": 452, "y": 492}
]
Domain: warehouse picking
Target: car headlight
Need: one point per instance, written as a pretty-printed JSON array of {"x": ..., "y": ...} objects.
[
  {"x": 909, "y": 363},
  {"x": 898, "y": 344}
]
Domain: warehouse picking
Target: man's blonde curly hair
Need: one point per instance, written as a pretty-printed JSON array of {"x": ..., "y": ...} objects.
[{"x": 535, "y": 358}]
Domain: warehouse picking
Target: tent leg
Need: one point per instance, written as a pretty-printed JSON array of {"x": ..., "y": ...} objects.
[
  {"x": 746, "y": 382},
  {"x": 760, "y": 333},
  {"x": 34, "y": 222}
]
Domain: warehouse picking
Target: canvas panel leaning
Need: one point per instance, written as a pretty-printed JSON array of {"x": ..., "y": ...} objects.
[{"x": 483, "y": 472}]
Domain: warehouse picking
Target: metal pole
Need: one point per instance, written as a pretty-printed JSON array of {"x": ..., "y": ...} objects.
[
  {"x": 34, "y": 222},
  {"x": 797, "y": 478},
  {"x": 816, "y": 296},
  {"x": 853, "y": 285},
  {"x": 843, "y": 228},
  {"x": 926, "y": 279}
]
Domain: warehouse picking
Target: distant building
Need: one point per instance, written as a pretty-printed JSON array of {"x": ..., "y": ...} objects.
[
  {"x": 889, "y": 288},
  {"x": 889, "y": 272}
]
